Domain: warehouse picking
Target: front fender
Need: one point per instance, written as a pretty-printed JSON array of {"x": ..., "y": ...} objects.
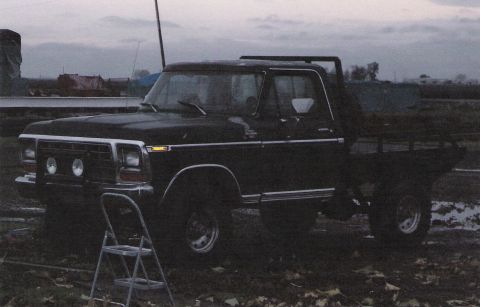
[{"x": 204, "y": 174}]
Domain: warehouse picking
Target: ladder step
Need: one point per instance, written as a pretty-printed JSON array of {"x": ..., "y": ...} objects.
[
  {"x": 126, "y": 250},
  {"x": 139, "y": 283},
  {"x": 104, "y": 302}
]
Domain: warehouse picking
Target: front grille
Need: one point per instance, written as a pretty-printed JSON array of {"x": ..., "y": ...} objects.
[{"x": 97, "y": 160}]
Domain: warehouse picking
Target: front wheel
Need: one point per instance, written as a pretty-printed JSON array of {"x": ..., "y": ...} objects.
[
  {"x": 196, "y": 227},
  {"x": 202, "y": 230},
  {"x": 401, "y": 216}
]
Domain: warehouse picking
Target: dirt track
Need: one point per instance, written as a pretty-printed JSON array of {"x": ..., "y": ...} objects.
[{"x": 338, "y": 263}]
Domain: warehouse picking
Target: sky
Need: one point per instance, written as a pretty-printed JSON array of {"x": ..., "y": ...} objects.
[{"x": 440, "y": 38}]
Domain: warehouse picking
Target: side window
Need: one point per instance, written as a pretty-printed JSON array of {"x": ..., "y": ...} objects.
[
  {"x": 245, "y": 86},
  {"x": 288, "y": 86},
  {"x": 245, "y": 89}
]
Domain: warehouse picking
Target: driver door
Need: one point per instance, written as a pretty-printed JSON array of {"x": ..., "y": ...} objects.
[{"x": 300, "y": 150}]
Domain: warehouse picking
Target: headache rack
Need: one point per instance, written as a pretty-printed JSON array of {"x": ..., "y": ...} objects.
[
  {"x": 307, "y": 59},
  {"x": 339, "y": 86}
]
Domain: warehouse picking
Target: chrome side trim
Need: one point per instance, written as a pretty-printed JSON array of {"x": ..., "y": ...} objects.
[
  {"x": 298, "y": 195},
  {"x": 334, "y": 140},
  {"x": 251, "y": 199},
  {"x": 251, "y": 143},
  {"x": 288, "y": 195},
  {"x": 319, "y": 77},
  {"x": 183, "y": 170}
]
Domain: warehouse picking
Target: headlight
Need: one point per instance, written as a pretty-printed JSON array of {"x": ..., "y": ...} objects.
[
  {"x": 130, "y": 156},
  {"x": 131, "y": 164},
  {"x": 132, "y": 159},
  {"x": 29, "y": 153},
  {"x": 28, "y": 149}
]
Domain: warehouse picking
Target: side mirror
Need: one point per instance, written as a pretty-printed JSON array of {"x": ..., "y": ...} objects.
[{"x": 302, "y": 105}]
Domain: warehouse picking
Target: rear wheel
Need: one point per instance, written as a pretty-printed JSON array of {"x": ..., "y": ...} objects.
[{"x": 401, "y": 216}]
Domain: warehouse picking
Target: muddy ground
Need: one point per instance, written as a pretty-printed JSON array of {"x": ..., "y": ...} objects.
[{"x": 337, "y": 264}]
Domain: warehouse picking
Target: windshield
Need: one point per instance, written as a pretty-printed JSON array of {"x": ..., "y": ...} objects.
[{"x": 215, "y": 92}]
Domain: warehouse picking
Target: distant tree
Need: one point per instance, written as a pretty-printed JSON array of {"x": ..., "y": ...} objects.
[
  {"x": 140, "y": 73},
  {"x": 358, "y": 73},
  {"x": 372, "y": 70},
  {"x": 347, "y": 75},
  {"x": 460, "y": 79},
  {"x": 424, "y": 76}
]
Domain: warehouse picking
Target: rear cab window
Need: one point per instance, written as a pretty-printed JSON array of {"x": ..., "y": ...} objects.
[{"x": 288, "y": 85}]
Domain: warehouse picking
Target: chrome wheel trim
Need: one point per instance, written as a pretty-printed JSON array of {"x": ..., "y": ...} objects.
[
  {"x": 201, "y": 232},
  {"x": 409, "y": 214}
]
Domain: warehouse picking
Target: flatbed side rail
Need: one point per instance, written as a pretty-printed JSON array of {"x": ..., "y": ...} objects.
[{"x": 442, "y": 138}]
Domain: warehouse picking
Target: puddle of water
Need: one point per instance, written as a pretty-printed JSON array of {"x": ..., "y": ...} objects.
[{"x": 459, "y": 215}]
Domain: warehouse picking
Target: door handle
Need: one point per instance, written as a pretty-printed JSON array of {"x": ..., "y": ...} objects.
[{"x": 325, "y": 130}]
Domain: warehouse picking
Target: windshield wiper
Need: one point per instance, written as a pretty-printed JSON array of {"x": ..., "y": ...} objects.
[
  {"x": 193, "y": 105},
  {"x": 151, "y": 105}
]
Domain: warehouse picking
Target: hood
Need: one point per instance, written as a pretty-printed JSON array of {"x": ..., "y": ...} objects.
[{"x": 151, "y": 128}]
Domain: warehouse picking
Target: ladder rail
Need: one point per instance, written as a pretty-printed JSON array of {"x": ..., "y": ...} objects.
[
  {"x": 132, "y": 204},
  {"x": 131, "y": 282},
  {"x": 97, "y": 270},
  {"x": 134, "y": 274}
]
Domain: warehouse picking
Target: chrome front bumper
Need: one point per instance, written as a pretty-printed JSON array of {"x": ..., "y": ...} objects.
[{"x": 26, "y": 186}]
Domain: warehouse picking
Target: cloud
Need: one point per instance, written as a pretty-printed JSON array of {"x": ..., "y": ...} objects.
[
  {"x": 465, "y": 20},
  {"x": 118, "y": 21},
  {"x": 388, "y": 30},
  {"x": 266, "y": 27},
  {"x": 274, "y": 19},
  {"x": 421, "y": 28},
  {"x": 288, "y": 37},
  {"x": 413, "y": 28},
  {"x": 462, "y": 3},
  {"x": 131, "y": 40},
  {"x": 440, "y": 47}
]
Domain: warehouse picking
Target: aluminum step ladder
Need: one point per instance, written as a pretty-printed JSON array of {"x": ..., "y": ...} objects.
[{"x": 145, "y": 248}]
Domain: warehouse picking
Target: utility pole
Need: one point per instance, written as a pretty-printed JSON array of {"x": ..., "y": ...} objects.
[{"x": 160, "y": 34}]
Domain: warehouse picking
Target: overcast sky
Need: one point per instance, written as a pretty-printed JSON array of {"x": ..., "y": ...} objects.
[{"x": 407, "y": 37}]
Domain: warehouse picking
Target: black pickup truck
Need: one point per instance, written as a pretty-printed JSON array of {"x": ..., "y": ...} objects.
[{"x": 274, "y": 133}]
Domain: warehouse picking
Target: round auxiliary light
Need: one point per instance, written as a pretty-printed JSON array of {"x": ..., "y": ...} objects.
[
  {"x": 77, "y": 167},
  {"x": 51, "y": 165}
]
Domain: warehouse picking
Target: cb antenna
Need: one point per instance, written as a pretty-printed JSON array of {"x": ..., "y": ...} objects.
[{"x": 162, "y": 52}]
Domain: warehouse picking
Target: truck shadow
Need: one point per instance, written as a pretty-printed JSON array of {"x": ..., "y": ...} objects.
[{"x": 336, "y": 242}]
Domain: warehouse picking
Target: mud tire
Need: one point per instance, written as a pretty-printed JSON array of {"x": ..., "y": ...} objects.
[{"x": 400, "y": 216}]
